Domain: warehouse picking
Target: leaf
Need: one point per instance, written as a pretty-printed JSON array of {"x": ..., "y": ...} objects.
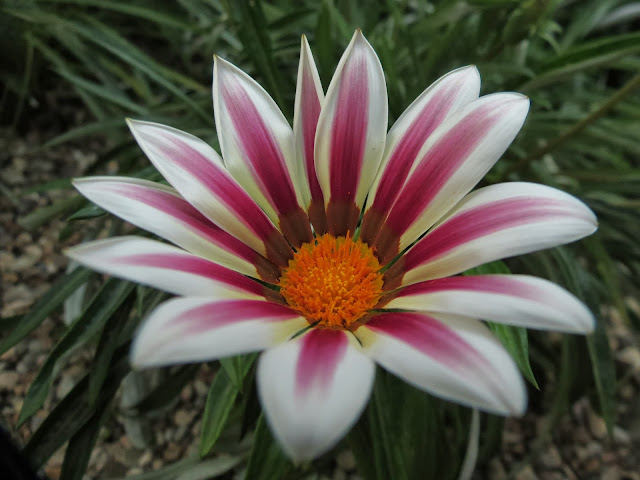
[
  {"x": 105, "y": 302},
  {"x": 107, "y": 345},
  {"x": 587, "y": 55},
  {"x": 237, "y": 368},
  {"x": 73, "y": 412},
  {"x": 220, "y": 400},
  {"x": 166, "y": 392},
  {"x": 51, "y": 300},
  {"x": 210, "y": 468},
  {"x": 39, "y": 217},
  {"x": 80, "y": 446},
  {"x": 514, "y": 339},
  {"x": 266, "y": 461},
  {"x": 90, "y": 211}
]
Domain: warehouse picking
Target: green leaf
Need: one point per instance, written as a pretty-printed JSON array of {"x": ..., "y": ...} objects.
[
  {"x": 220, "y": 400},
  {"x": 403, "y": 422},
  {"x": 90, "y": 211},
  {"x": 604, "y": 373},
  {"x": 105, "y": 302},
  {"x": 266, "y": 461},
  {"x": 167, "y": 391},
  {"x": 51, "y": 300},
  {"x": 107, "y": 345},
  {"x": 589, "y": 55},
  {"x": 237, "y": 368},
  {"x": 73, "y": 412},
  {"x": 516, "y": 342},
  {"x": 76, "y": 458},
  {"x": 39, "y": 217}
]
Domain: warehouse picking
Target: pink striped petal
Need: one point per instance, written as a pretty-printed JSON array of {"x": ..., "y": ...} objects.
[
  {"x": 197, "y": 172},
  {"x": 257, "y": 145},
  {"x": 456, "y": 156},
  {"x": 195, "y": 329},
  {"x": 161, "y": 210},
  {"x": 494, "y": 222},
  {"x": 313, "y": 389},
  {"x": 407, "y": 136},
  {"x": 452, "y": 357},
  {"x": 351, "y": 134},
  {"x": 510, "y": 299},
  {"x": 309, "y": 98},
  {"x": 164, "y": 267}
]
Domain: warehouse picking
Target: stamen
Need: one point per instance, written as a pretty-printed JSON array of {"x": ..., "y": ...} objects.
[{"x": 333, "y": 281}]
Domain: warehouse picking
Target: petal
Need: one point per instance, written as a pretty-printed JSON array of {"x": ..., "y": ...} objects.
[
  {"x": 191, "y": 329},
  {"x": 510, "y": 299},
  {"x": 197, "y": 172},
  {"x": 407, "y": 136},
  {"x": 162, "y": 266},
  {"x": 257, "y": 146},
  {"x": 309, "y": 98},
  {"x": 313, "y": 389},
  {"x": 161, "y": 210},
  {"x": 452, "y": 357},
  {"x": 494, "y": 222},
  {"x": 456, "y": 156},
  {"x": 351, "y": 134}
]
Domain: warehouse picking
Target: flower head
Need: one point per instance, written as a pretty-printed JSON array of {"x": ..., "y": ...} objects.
[{"x": 356, "y": 236}]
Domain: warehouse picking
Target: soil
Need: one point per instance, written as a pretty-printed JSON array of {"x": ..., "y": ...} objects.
[{"x": 576, "y": 447}]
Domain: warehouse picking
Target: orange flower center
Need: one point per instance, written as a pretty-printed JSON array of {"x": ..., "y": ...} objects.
[{"x": 334, "y": 281}]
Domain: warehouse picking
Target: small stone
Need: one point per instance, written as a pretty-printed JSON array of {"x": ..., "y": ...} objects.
[
  {"x": 597, "y": 425},
  {"x": 183, "y": 417},
  {"x": 526, "y": 473},
  {"x": 145, "y": 459},
  {"x": 611, "y": 473},
  {"x": 551, "y": 458},
  {"x": 8, "y": 380},
  {"x": 621, "y": 436},
  {"x": 346, "y": 460},
  {"x": 172, "y": 452},
  {"x": 496, "y": 469},
  {"x": 631, "y": 356}
]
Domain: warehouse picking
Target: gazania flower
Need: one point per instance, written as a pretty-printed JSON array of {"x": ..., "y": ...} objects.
[{"x": 335, "y": 245}]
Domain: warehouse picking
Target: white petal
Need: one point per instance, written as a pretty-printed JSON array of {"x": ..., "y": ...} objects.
[
  {"x": 257, "y": 144},
  {"x": 495, "y": 222},
  {"x": 164, "y": 267},
  {"x": 191, "y": 329},
  {"x": 510, "y": 299},
  {"x": 407, "y": 136},
  {"x": 308, "y": 103},
  {"x": 197, "y": 172},
  {"x": 455, "y": 358},
  {"x": 351, "y": 133},
  {"x": 161, "y": 210},
  {"x": 313, "y": 389}
]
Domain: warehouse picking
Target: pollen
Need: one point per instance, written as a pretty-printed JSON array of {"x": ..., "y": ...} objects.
[{"x": 333, "y": 281}]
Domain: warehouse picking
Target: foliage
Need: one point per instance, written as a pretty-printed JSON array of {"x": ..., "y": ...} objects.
[{"x": 576, "y": 61}]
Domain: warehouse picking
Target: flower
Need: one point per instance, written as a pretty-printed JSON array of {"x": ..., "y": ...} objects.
[{"x": 336, "y": 245}]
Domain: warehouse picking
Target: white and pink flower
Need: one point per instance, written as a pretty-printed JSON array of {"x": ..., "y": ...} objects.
[{"x": 330, "y": 217}]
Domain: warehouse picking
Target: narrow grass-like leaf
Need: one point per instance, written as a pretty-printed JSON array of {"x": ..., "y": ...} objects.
[
  {"x": 220, "y": 400},
  {"x": 78, "y": 454},
  {"x": 167, "y": 391},
  {"x": 51, "y": 300},
  {"x": 73, "y": 412},
  {"x": 39, "y": 217},
  {"x": 237, "y": 368},
  {"x": 266, "y": 461},
  {"x": 588, "y": 55},
  {"x": 105, "y": 302},
  {"x": 107, "y": 345}
]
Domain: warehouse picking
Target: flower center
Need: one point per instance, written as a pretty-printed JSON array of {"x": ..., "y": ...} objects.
[{"x": 334, "y": 281}]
